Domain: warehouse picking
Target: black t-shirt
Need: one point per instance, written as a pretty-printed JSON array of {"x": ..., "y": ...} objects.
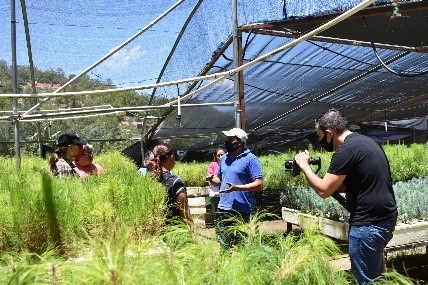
[
  {"x": 369, "y": 194},
  {"x": 175, "y": 185}
]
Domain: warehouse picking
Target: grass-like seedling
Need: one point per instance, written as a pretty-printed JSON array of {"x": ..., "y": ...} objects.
[{"x": 111, "y": 230}]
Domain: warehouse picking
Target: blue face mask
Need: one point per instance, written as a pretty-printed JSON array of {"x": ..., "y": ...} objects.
[
  {"x": 231, "y": 146},
  {"x": 325, "y": 145}
]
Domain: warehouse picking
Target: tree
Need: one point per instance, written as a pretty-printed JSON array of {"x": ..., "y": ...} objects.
[{"x": 99, "y": 127}]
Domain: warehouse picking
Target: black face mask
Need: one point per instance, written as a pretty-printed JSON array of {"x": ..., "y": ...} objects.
[
  {"x": 231, "y": 146},
  {"x": 325, "y": 145}
]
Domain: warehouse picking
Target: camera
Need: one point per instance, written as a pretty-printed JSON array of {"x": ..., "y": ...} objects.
[{"x": 291, "y": 165}]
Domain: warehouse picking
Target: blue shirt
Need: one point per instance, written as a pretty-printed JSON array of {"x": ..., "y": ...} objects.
[{"x": 244, "y": 169}]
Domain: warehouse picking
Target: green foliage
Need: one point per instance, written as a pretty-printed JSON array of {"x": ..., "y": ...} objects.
[
  {"x": 412, "y": 199},
  {"x": 407, "y": 162},
  {"x": 29, "y": 268},
  {"x": 105, "y": 127},
  {"x": 121, "y": 259},
  {"x": 39, "y": 210},
  {"x": 307, "y": 201},
  {"x": 114, "y": 254},
  {"x": 392, "y": 277},
  {"x": 193, "y": 173},
  {"x": 274, "y": 174}
]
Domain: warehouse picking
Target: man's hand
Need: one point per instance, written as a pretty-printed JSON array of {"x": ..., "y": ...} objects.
[
  {"x": 232, "y": 187},
  {"x": 302, "y": 158}
]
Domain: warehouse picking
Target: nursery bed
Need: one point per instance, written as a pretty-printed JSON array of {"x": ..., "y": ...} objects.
[
  {"x": 406, "y": 236},
  {"x": 403, "y": 233}
]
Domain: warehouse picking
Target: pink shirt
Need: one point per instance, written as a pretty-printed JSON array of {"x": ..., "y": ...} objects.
[
  {"x": 85, "y": 171},
  {"x": 212, "y": 168}
]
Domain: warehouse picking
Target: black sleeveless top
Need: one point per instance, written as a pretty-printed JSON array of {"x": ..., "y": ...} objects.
[{"x": 175, "y": 185}]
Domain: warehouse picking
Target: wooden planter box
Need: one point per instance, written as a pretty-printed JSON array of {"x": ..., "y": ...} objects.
[
  {"x": 266, "y": 200},
  {"x": 328, "y": 227},
  {"x": 198, "y": 191},
  {"x": 404, "y": 234}
]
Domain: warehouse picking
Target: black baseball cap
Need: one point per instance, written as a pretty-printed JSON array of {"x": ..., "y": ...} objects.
[{"x": 70, "y": 137}]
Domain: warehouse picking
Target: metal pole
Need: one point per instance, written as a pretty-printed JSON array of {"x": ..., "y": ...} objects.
[
  {"x": 235, "y": 36},
  {"x": 14, "y": 84},
  {"x": 143, "y": 141},
  {"x": 32, "y": 78},
  {"x": 31, "y": 110}
]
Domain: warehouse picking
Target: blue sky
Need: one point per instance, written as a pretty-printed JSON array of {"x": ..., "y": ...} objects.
[{"x": 72, "y": 35}]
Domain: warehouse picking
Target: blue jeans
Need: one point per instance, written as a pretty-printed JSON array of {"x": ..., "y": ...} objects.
[{"x": 366, "y": 245}]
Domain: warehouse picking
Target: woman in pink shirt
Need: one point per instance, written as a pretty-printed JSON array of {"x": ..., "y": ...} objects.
[
  {"x": 85, "y": 165},
  {"x": 212, "y": 170}
]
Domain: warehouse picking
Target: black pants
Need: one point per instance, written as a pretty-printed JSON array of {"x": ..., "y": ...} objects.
[
  {"x": 214, "y": 204},
  {"x": 227, "y": 223}
]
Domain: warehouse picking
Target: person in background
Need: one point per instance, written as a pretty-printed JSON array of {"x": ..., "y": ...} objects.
[
  {"x": 214, "y": 189},
  {"x": 69, "y": 145},
  {"x": 360, "y": 168},
  {"x": 239, "y": 174},
  {"x": 161, "y": 164},
  {"x": 85, "y": 165},
  {"x": 144, "y": 169}
]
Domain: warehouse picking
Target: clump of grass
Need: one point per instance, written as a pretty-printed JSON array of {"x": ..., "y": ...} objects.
[
  {"x": 279, "y": 259},
  {"x": 307, "y": 201},
  {"x": 39, "y": 210},
  {"x": 120, "y": 258},
  {"x": 193, "y": 173},
  {"x": 29, "y": 268},
  {"x": 392, "y": 277}
]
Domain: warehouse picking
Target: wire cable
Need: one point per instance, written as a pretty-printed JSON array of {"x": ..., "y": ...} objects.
[{"x": 399, "y": 73}]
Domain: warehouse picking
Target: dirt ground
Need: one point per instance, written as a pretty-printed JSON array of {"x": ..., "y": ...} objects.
[{"x": 412, "y": 263}]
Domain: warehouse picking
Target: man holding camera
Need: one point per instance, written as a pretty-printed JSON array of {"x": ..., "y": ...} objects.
[{"x": 360, "y": 168}]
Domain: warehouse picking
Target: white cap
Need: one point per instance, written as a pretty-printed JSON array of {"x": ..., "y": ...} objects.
[{"x": 236, "y": 132}]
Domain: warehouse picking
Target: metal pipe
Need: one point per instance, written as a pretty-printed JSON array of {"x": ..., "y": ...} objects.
[
  {"x": 221, "y": 75},
  {"x": 46, "y": 116},
  {"x": 289, "y": 34},
  {"x": 319, "y": 97},
  {"x": 168, "y": 104},
  {"x": 108, "y": 55},
  {"x": 217, "y": 76},
  {"x": 174, "y": 47},
  {"x": 30, "y": 60},
  {"x": 236, "y": 47},
  {"x": 15, "y": 84}
]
